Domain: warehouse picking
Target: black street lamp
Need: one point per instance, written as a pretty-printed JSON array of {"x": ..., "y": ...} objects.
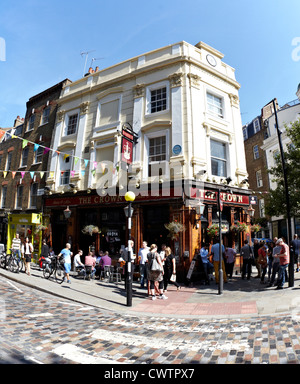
[
  {"x": 130, "y": 197},
  {"x": 287, "y": 196}
]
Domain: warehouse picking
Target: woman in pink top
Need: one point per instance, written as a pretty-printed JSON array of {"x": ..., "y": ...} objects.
[{"x": 284, "y": 260}]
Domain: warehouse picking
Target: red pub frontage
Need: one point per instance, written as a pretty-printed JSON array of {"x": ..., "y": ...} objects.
[{"x": 151, "y": 213}]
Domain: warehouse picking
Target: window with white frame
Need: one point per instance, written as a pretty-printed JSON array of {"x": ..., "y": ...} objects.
[
  {"x": 215, "y": 105},
  {"x": 65, "y": 168},
  {"x": 39, "y": 155},
  {"x": 3, "y": 197},
  {"x": 156, "y": 154},
  {"x": 31, "y": 122},
  {"x": 24, "y": 157},
  {"x": 255, "y": 152},
  {"x": 65, "y": 177},
  {"x": 8, "y": 161},
  {"x": 157, "y": 98},
  {"x": 46, "y": 114},
  {"x": 245, "y": 133},
  {"x": 256, "y": 126},
  {"x": 72, "y": 124},
  {"x": 218, "y": 152},
  {"x": 19, "y": 197},
  {"x": 261, "y": 205},
  {"x": 259, "y": 180},
  {"x": 33, "y": 195}
]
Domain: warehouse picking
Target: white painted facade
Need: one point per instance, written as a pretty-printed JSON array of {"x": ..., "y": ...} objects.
[{"x": 200, "y": 107}]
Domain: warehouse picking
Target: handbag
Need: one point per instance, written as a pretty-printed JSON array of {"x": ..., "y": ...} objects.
[
  {"x": 155, "y": 266},
  {"x": 173, "y": 278}
]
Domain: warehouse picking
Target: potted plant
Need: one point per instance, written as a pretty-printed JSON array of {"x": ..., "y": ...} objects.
[
  {"x": 255, "y": 228},
  {"x": 40, "y": 227},
  {"x": 174, "y": 228},
  {"x": 90, "y": 230}
]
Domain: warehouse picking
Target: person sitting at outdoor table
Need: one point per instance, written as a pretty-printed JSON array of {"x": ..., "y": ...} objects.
[
  {"x": 77, "y": 261},
  {"x": 105, "y": 260},
  {"x": 98, "y": 266},
  {"x": 90, "y": 262}
]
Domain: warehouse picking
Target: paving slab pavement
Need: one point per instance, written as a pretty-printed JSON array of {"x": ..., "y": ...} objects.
[{"x": 240, "y": 298}]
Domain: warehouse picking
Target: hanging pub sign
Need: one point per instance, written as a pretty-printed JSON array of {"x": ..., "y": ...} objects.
[
  {"x": 127, "y": 147},
  {"x": 128, "y": 139}
]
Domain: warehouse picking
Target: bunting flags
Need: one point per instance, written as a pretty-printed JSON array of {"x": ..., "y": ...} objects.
[{"x": 36, "y": 146}]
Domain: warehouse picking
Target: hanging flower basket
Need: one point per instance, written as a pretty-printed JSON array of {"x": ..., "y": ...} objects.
[
  {"x": 239, "y": 227},
  {"x": 213, "y": 230},
  {"x": 174, "y": 229},
  {"x": 90, "y": 230},
  {"x": 255, "y": 228}
]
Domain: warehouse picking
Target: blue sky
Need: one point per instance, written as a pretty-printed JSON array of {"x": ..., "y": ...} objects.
[{"x": 44, "y": 40}]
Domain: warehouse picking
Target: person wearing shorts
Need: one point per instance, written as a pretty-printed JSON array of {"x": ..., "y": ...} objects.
[{"x": 66, "y": 253}]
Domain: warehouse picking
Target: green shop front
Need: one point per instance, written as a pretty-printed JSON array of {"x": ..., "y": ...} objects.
[{"x": 27, "y": 225}]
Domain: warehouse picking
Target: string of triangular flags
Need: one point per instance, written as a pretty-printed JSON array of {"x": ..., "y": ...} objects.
[{"x": 46, "y": 150}]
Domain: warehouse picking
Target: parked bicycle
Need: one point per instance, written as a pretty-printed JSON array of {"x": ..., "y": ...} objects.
[
  {"x": 3, "y": 260},
  {"x": 14, "y": 262},
  {"x": 53, "y": 266}
]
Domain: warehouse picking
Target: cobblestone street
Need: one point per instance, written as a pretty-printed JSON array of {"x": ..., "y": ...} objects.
[{"x": 39, "y": 328}]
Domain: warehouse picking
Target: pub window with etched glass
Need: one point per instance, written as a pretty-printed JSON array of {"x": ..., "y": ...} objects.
[{"x": 218, "y": 152}]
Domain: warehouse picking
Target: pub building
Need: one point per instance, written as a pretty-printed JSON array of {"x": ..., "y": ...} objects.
[{"x": 176, "y": 107}]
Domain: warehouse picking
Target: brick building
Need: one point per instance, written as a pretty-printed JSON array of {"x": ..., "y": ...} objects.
[{"x": 24, "y": 158}]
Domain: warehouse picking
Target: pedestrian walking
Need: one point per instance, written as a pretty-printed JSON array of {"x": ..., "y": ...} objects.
[
  {"x": 275, "y": 265},
  {"x": 155, "y": 272},
  {"x": 263, "y": 260},
  {"x": 247, "y": 254},
  {"x": 66, "y": 253},
  {"x": 256, "y": 247},
  {"x": 230, "y": 255},
  {"x": 16, "y": 245},
  {"x": 207, "y": 265},
  {"x": 142, "y": 256},
  {"x": 284, "y": 260},
  {"x": 170, "y": 269},
  {"x": 215, "y": 251},
  {"x": 27, "y": 249},
  {"x": 270, "y": 259}
]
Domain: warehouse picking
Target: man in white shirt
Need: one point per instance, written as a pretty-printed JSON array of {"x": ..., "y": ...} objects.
[
  {"x": 16, "y": 245},
  {"x": 78, "y": 264},
  {"x": 142, "y": 254}
]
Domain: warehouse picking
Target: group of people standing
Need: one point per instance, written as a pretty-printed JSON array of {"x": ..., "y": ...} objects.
[
  {"x": 25, "y": 249},
  {"x": 157, "y": 269},
  {"x": 273, "y": 258}
]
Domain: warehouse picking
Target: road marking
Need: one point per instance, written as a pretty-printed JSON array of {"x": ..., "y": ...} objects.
[
  {"x": 46, "y": 314},
  {"x": 19, "y": 290},
  {"x": 156, "y": 342},
  {"x": 35, "y": 360},
  {"x": 79, "y": 355}
]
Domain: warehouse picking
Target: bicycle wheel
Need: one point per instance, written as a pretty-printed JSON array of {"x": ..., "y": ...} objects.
[
  {"x": 3, "y": 261},
  {"x": 59, "y": 274},
  {"x": 47, "y": 271},
  {"x": 21, "y": 265},
  {"x": 13, "y": 265}
]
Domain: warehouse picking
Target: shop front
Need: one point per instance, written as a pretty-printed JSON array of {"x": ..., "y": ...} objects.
[
  {"x": 27, "y": 225},
  {"x": 99, "y": 222}
]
